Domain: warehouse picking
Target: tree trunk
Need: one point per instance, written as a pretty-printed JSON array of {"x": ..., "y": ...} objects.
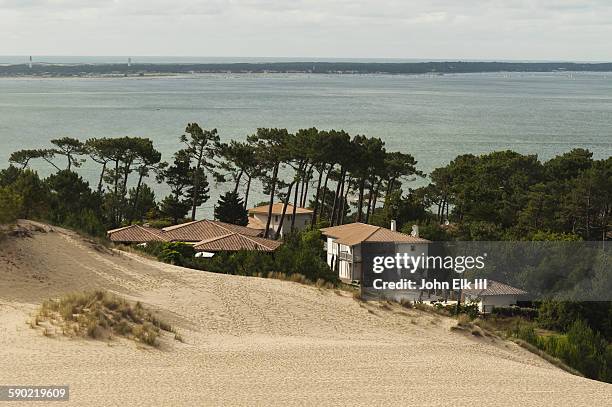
[
  {"x": 51, "y": 162},
  {"x": 306, "y": 184},
  {"x": 316, "y": 200},
  {"x": 131, "y": 217},
  {"x": 447, "y": 205},
  {"x": 376, "y": 191},
  {"x": 370, "y": 197},
  {"x": 360, "y": 200},
  {"x": 238, "y": 181},
  {"x": 282, "y": 219},
  {"x": 345, "y": 201},
  {"x": 302, "y": 178},
  {"x": 116, "y": 190},
  {"x": 272, "y": 190},
  {"x": 126, "y": 175},
  {"x": 441, "y": 216},
  {"x": 336, "y": 200},
  {"x": 246, "y": 194},
  {"x": 101, "y": 178},
  {"x": 340, "y": 211},
  {"x": 294, "y": 209},
  {"x": 390, "y": 185},
  {"x": 196, "y": 184},
  {"x": 322, "y": 208}
]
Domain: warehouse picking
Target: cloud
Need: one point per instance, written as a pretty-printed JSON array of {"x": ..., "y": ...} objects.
[{"x": 514, "y": 29}]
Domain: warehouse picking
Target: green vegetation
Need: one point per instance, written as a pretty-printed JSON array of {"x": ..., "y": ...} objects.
[
  {"x": 580, "y": 348},
  {"x": 100, "y": 315},
  {"x": 508, "y": 196},
  {"x": 230, "y": 209},
  {"x": 300, "y": 255},
  {"x": 500, "y": 196},
  {"x": 573, "y": 335}
]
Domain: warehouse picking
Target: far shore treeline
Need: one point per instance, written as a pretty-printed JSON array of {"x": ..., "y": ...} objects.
[{"x": 326, "y": 67}]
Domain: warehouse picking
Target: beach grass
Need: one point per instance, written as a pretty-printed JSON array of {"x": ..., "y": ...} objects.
[{"x": 101, "y": 315}]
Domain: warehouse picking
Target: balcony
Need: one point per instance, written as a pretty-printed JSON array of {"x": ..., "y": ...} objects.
[{"x": 346, "y": 256}]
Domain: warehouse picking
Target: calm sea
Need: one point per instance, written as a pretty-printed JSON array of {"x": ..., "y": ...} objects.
[{"x": 434, "y": 118}]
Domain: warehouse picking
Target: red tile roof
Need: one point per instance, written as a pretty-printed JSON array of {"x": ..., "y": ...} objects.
[
  {"x": 277, "y": 209},
  {"x": 355, "y": 233},
  {"x": 235, "y": 242},
  {"x": 255, "y": 223},
  {"x": 495, "y": 288},
  {"x": 205, "y": 229},
  {"x": 136, "y": 234}
]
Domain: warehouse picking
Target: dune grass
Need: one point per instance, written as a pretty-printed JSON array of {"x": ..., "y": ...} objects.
[{"x": 100, "y": 315}]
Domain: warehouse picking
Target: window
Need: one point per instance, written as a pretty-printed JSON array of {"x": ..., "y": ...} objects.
[{"x": 275, "y": 218}]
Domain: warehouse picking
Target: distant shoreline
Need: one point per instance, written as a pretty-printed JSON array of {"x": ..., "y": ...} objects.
[{"x": 396, "y": 68}]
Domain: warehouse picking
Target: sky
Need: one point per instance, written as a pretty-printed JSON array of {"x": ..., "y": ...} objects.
[{"x": 568, "y": 30}]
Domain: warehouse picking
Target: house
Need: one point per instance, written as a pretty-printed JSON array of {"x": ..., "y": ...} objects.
[
  {"x": 233, "y": 242},
  {"x": 207, "y": 236},
  {"x": 205, "y": 229},
  {"x": 351, "y": 249},
  {"x": 495, "y": 295},
  {"x": 258, "y": 218},
  {"x": 136, "y": 234}
]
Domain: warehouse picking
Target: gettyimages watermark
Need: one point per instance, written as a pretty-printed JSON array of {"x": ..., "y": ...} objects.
[
  {"x": 422, "y": 262},
  {"x": 572, "y": 271}
]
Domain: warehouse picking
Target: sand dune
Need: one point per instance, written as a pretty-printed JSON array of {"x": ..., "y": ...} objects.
[{"x": 251, "y": 341}]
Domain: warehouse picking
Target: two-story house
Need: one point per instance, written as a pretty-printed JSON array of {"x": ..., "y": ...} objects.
[
  {"x": 258, "y": 218},
  {"x": 352, "y": 247}
]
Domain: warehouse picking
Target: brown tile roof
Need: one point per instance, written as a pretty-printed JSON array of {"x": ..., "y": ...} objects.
[
  {"x": 205, "y": 229},
  {"x": 277, "y": 209},
  {"x": 255, "y": 223},
  {"x": 355, "y": 233},
  {"x": 136, "y": 234},
  {"x": 495, "y": 288},
  {"x": 235, "y": 242}
]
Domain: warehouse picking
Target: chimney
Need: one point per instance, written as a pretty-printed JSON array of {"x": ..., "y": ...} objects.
[
  {"x": 415, "y": 231},
  {"x": 393, "y": 226}
]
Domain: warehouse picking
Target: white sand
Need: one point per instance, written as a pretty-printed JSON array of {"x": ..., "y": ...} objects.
[{"x": 251, "y": 341}]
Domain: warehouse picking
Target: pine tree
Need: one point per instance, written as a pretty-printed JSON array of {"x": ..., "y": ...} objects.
[{"x": 230, "y": 209}]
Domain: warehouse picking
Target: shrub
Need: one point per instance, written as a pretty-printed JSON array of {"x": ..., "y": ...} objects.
[
  {"x": 581, "y": 348},
  {"x": 99, "y": 315},
  {"x": 10, "y": 205},
  {"x": 514, "y": 311},
  {"x": 176, "y": 253},
  {"x": 471, "y": 309},
  {"x": 463, "y": 320}
]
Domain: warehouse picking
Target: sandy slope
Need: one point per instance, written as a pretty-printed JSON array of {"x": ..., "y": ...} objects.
[{"x": 251, "y": 341}]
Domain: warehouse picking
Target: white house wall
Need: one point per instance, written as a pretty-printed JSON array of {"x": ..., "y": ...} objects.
[
  {"x": 301, "y": 222},
  {"x": 490, "y": 301}
]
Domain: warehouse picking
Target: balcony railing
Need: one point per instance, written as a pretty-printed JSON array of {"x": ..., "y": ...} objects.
[{"x": 345, "y": 256}]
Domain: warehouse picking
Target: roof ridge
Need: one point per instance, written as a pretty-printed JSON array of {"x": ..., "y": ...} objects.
[
  {"x": 376, "y": 229},
  {"x": 119, "y": 229},
  {"x": 150, "y": 231},
  {"x": 222, "y": 225},
  {"x": 255, "y": 241},
  {"x": 180, "y": 225},
  {"x": 215, "y": 238}
]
